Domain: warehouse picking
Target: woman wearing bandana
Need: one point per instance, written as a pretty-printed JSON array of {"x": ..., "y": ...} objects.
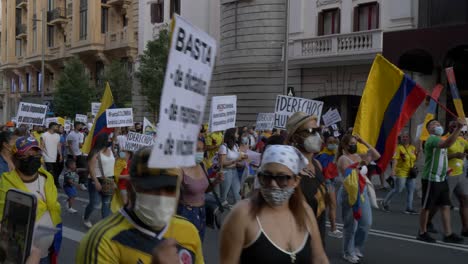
[{"x": 275, "y": 225}]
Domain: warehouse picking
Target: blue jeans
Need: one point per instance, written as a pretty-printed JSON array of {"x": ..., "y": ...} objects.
[
  {"x": 45, "y": 260},
  {"x": 400, "y": 183},
  {"x": 196, "y": 216},
  {"x": 231, "y": 183},
  {"x": 355, "y": 232},
  {"x": 95, "y": 198}
]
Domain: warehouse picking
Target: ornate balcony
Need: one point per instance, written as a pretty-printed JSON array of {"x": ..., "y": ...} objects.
[
  {"x": 118, "y": 2},
  {"x": 120, "y": 39},
  {"x": 56, "y": 16},
  {"x": 354, "y": 46},
  {"x": 21, "y": 3},
  {"x": 21, "y": 31}
]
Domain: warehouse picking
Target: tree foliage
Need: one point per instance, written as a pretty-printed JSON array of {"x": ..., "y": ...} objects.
[
  {"x": 153, "y": 68},
  {"x": 73, "y": 94},
  {"x": 120, "y": 83}
]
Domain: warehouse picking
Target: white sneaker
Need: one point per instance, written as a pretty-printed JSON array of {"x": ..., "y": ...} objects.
[
  {"x": 358, "y": 253},
  {"x": 83, "y": 187},
  {"x": 87, "y": 223},
  {"x": 336, "y": 234},
  {"x": 71, "y": 210},
  {"x": 350, "y": 258}
]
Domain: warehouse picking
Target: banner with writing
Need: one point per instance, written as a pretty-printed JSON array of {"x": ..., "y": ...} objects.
[
  {"x": 223, "y": 113},
  {"x": 119, "y": 117},
  {"x": 81, "y": 118},
  {"x": 136, "y": 141},
  {"x": 286, "y": 106},
  {"x": 95, "y": 108},
  {"x": 31, "y": 114},
  {"x": 183, "y": 100},
  {"x": 265, "y": 121},
  {"x": 331, "y": 117}
]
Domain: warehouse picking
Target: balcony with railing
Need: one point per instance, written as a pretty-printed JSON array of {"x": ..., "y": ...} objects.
[
  {"x": 118, "y": 2},
  {"x": 21, "y": 3},
  {"x": 354, "y": 46},
  {"x": 21, "y": 31},
  {"x": 120, "y": 39},
  {"x": 56, "y": 16}
]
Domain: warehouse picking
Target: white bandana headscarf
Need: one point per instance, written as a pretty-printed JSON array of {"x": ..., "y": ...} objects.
[{"x": 288, "y": 156}]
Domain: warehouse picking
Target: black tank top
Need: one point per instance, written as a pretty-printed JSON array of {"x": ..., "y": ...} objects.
[
  {"x": 263, "y": 250},
  {"x": 311, "y": 185}
]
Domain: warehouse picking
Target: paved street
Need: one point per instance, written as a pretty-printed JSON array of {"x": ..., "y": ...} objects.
[{"x": 391, "y": 239}]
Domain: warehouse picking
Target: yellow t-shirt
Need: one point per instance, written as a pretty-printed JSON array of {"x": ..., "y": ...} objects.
[
  {"x": 406, "y": 158},
  {"x": 460, "y": 145},
  {"x": 213, "y": 139}
]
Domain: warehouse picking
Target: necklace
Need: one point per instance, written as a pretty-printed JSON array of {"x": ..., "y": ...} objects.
[{"x": 292, "y": 254}]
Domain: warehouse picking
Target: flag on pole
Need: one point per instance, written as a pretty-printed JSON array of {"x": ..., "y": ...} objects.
[
  {"x": 100, "y": 122},
  {"x": 455, "y": 94},
  {"x": 389, "y": 100},
  {"x": 431, "y": 111}
]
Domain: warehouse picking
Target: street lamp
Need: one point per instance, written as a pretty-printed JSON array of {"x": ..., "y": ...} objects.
[
  {"x": 43, "y": 20},
  {"x": 286, "y": 49}
]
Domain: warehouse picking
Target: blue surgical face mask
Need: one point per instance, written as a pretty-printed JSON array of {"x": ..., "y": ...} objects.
[
  {"x": 332, "y": 147},
  {"x": 122, "y": 154},
  {"x": 439, "y": 131}
]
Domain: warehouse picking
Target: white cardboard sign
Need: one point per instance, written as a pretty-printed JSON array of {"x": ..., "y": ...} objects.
[
  {"x": 50, "y": 120},
  {"x": 67, "y": 126},
  {"x": 81, "y": 118},
  {"x": 265, "y": 121},
  {"x": 331, "y": 117},
  {"x": 223, "y": 113},
  {"x": 136, "y": 141},
  {"x": 186, "y": 84},
  {"x": 31, "y": 114},
  {"x": 95, "y": 108},
  {"x": 119, "y": 117},
  {"x": 287, "y": 106},
  {"x": 148, "y": 127}
]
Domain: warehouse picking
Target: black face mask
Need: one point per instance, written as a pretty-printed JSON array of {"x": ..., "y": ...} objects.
[
  {"x": 29, "y": 165},
  {"x": 352, "y": 149}
]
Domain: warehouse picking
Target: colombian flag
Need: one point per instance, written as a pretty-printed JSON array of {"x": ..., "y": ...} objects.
[
  {"x": 326, "y": 159},
  {"x": 431, "y": 111},
  {"x": 455, "y": 94},
  {"x": 100, "y": 122},
  {"x": 354, "y": 184},
  {"x": 389, "y": 100}
]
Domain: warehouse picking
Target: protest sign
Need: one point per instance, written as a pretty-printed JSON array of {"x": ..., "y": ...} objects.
[
  {"x": 148, "y": 127},
  {"x": 186, "y": 83},
  {"x": 119, "y": 117},
  {"x": 95, "y": 108},
  {"x": 14, "y": 120},
  {"x": 81, "y": 118},
  {"x": 136, "y": 141},
  {"x": 31, "y": 114},
  {"x": 265, "y": 121},
  {"x": 223, "y": 113},
  {"x": 331, "y": 117},
  {"x": 67, "y": 126},
  {"x": 286, "y": 106},
  {"x": 50, "y": 120}
]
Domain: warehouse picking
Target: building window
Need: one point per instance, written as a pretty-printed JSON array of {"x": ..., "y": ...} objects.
[
  {"x": 50, "y": 5},
  {"x": 39, "y": 81},
  {"x": 99, "y": 74},
  {"x": 329, "y": 22},
  {"x": 21, "y": 84},
  {"x": 157, "y": 12},
  {"x": 28, "y": 82},
  {"x": 124, "y": 21},
  {"x": 104, "y": 19},
  {"x": 50, "y": 36},
  {"x": 366, "y": 17},
  {"x": 175, "y": 7},
  {"x": 83, "y": 19},
  {"x": 13, "y": 85},
  {"x": 18, "y": 49},
  {"x": 34, "y": 33}
]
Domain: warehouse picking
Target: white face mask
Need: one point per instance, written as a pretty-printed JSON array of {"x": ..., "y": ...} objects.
[
  {"x": 199, "y": 156},
  {"x": 313, "y": 144},
  {"x": 154, "y": 210}
]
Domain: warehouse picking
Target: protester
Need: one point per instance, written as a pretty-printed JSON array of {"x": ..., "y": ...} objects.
[
  {"x": 260, "y": 147},
  {"x": 121, "y": 137},
  {"x": 101, "y": 163},
  {"x": 75, "y": 140},
  {"x": 130, "y": 235},
  {"x": 229, "y": 158},
  {"x": 121, "y": 172},
  {"x": 138, "y": 128},
  {"x": 275, "y": 225},
  {"x": 253, "y": 138},
  {"x": 63, "y": 145},
  {"x": 193, "y": 188},
  {"x": 213, "y": 141},
  {"x": 70, "y": 184},
  {"x": 435, "y": 184},
  {"x": 303, "y": 133},
  {"x": 355, "y": 227},
  {"x": 327, "y": 158},
  {"x": 403, "y": 163},
  {"x": 52, "y": 150},
  {"x": 37, "y": 132},
  {"x": 7, "y": 142},
  {"x": 30, "y": 177}
]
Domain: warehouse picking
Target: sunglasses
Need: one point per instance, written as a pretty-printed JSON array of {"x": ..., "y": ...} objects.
[
  {"x": 281, "y": 180},
  {"x": 311, "y": 131}
]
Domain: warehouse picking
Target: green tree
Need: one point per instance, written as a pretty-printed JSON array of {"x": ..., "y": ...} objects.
[
  {"x": 152, "y": 70},
  {"x": 120, "y": 83},
  {"x": 73, "y": 94}
]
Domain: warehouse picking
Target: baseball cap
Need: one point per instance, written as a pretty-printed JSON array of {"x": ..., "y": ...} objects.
[
  {"x": 24, "y": 144},
  {"x": 151, "y": 178}
]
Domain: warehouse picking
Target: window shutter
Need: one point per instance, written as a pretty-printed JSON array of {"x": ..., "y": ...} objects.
[
  {"x": 356, "y": 19},
  {"x": 377, "y": 14},
  {"x": 153, "y": 13},
  {"x": 320, "y": 24}
]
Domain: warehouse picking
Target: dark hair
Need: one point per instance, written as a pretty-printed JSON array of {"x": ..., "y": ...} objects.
[
  {"x": 52, "y": 124},
  {"x": 5, "y": 137},
  {"x": 230, "y": 137},
  {"x": 428, "y": 123},
  {"x": 99, "y": 144},
  {"x": 77, "y": 124},
  {"x": 274, "y": 140},
  {"x": 21, "y": 132},
  {"x": 69, "y": 162},
  {"x": 296, "y": 205},
  {"x": 344, "y": 143}
]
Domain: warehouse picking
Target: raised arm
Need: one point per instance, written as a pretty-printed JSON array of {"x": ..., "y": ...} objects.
[
  {"x": 372, "y": 154},
  {"x": 453, "y": 137}
]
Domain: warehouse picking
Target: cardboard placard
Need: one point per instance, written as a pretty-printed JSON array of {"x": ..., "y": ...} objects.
[
  {"x": 265, "y": 121},
  {"x": 331, "y": 117},
  {"x": 287, "y": 106},
  {"x": 31, "y": 114},
  {"x": 81, "y": 118},
  {"x": 136, "y": 141},
  {"x": 95, "y": 108},
  {"x": 223, "y": 113},
  {"x": 119, "y": 117}
]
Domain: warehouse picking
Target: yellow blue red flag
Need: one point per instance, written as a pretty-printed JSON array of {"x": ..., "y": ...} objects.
[
  {"x": 389, "y": 100},
  {"x": 431, "y": 111},
  {"x": 455, "y": 94},
  {"x": 354, "y": 183}
]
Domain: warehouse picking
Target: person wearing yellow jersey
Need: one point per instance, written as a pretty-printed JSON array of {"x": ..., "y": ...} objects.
[
  {"x": 404, "y": 159},
  {"x": 145, "y": 229},
  {"x": 212, "y": 143}
]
